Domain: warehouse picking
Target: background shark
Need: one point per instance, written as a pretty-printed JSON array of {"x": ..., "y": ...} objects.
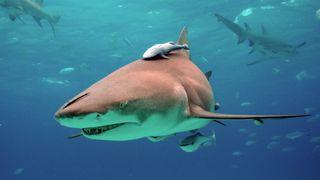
[
  {"x": 147, "y": 98},
  {"x": 260, "y": 42},
  {"x": 16, "y": 8}
]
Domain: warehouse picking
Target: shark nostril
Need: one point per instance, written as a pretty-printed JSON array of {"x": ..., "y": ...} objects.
[{"x": 73, "y": 101}]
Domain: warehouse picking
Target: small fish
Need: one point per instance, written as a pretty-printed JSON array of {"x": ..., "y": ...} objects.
[
  {"x": 245, "y": 104},
  {"x": 315, "y": 139},
  {"x": 275, "y": 137},
  {"x": 195, "y": 141},
  {"x": 250, "y": 142},
  {"x": 273, "y": 144},
  {"x": 237, "y": 153},
  {"x": 162, "y": 50},
  {"x": 242, "y": 130},
  {"x": 67, "y": 70},
  {"x": 294, "y": 135},
  {"x": 18, "y": 171},
  {"x": 287, "y": 149}
]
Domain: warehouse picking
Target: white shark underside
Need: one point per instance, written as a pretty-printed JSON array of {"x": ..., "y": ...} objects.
[{"x": 147, "y": 98}]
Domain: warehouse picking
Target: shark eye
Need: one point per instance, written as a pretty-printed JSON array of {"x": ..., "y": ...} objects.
[{"x": 123, "y": 105}]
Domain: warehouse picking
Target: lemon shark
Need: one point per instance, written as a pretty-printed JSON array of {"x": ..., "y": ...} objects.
[
  {"x": 144, "y": 99},
  {"x": 16, "y": 8},
  {"x": 260, "y": 42}
]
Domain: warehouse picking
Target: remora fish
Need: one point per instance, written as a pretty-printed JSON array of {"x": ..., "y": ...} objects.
[
  {"x": 162, "y": 50},
  {"x": 263, "y": 43},
  {"x": 147, "y": 98},
  {"x": 195, "y": 141}
]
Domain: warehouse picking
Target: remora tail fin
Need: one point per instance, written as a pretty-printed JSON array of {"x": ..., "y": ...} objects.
[
  {"x": 235, "y": 28},
  {"x": 200, "y": 113},
  {"x": 183, "y": 39}
]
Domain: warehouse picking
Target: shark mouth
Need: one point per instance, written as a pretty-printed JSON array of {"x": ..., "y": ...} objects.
[{"x": 101, "y": 129}]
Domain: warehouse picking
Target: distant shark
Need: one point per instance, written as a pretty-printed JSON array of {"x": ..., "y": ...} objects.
[
  {"x": 145, "y": 99},
  {"x": 16, "y": 8},
  {"x": 263, "y": 43}
]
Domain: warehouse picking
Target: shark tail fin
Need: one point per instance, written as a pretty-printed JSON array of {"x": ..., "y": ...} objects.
[
  {"x": 183, "y": 40},
  {"x": 200, "y": 113},
  {"x": 235, "y": 28}
]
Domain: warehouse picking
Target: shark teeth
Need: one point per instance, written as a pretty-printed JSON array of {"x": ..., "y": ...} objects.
[{"x": 99, "y": 130}]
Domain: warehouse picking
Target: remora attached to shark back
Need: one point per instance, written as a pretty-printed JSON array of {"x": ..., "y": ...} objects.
[
  {"x": 147, "y": 99},
  {"x": 16, "y": 8},
  {"x": 261, "y": 42}
]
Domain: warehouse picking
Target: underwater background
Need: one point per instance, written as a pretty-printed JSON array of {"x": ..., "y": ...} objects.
[{"x": 94, "y": 38}]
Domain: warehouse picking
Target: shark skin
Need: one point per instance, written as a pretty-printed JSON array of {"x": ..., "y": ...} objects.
[
  {"x": 261, "y": 42},
  {"x": 16, "y": 8},
  {"x": 147, "y": 99}
]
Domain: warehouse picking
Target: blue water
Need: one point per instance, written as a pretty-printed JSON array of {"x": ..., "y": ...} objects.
[{"x": 97, "y": 37}]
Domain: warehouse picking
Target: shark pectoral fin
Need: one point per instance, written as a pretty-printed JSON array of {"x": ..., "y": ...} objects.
[
  {"x": 258, "y": 122},
  {"x": 200, "y": 113},
  {"x": 37, "y": 19},
  {"x": 235, "y": 28},
  {"x": 257, "y": 61},
  {"x": 301, "y": 44},
  {"x": 197, "y": 112},
  {"x": 12, "y": 17}
]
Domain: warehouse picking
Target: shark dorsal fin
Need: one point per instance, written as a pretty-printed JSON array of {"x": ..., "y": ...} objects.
[
  {"x": 183, "y": 39},
  {"x": 208, "y": 75},
  {"x": 263, "y": 30},
  {"x": 247, "y": 27}
]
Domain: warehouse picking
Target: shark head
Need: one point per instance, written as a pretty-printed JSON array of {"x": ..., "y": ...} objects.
[{"x": 118, "y": 108}]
